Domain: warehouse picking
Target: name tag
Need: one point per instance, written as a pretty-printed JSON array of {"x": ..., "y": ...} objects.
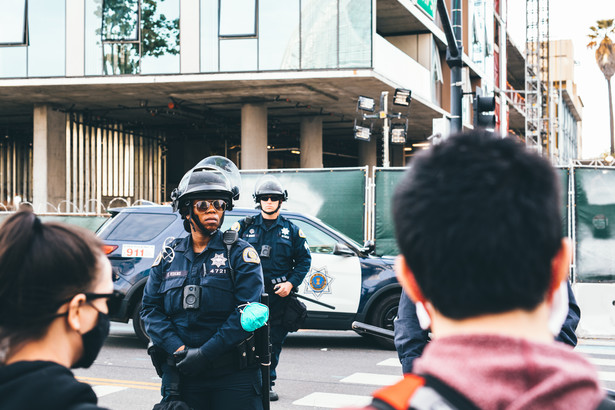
[{"x": 175, "y": 274}]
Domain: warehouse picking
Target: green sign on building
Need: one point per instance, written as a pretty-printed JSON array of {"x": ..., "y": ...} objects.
[{"x": 428, "y": 6}]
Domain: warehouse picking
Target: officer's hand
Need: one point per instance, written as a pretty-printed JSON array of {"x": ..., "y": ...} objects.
[
  {"x": 190, "y": 361},
  {"x": 283, "y": 289}
]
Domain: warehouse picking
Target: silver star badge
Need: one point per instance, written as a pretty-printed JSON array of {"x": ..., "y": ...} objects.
[
  {"x": 218, "y": 260},
  {"x": 285, "y": 231}
]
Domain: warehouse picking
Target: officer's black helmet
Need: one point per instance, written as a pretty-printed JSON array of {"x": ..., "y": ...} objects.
[
  {"x": 213, "y": 178},
  {"x": 269, "y": 185}
]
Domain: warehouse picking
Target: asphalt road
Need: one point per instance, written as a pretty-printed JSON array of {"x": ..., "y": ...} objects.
[{"x": 318, "y": 370}]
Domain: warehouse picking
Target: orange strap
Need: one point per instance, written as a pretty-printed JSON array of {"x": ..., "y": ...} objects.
[{"x": 399, "y": 394}]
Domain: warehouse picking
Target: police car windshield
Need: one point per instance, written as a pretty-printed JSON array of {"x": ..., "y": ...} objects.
[{"x": 139, "y": 227}]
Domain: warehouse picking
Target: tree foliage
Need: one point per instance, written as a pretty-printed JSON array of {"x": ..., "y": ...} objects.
[{"x": 605, "y": 52}]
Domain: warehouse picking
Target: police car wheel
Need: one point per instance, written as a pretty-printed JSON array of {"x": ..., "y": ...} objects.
[
  {"x": 382, "y": 315},
  {"x": 137, "y": 324}
]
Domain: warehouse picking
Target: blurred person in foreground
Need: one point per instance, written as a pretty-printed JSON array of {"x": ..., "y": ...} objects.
[
  {"x": 478, "y": 225},
  {"x": 55, "y": 282}
]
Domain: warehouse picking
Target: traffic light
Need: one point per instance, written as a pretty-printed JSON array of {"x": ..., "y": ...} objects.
[{"x": 484, "y": 107}]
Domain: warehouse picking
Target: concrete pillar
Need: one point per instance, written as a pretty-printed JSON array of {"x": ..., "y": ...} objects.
[
  {"x": 368, "y": 152},
  {"x": 311, "y": 142},
  {"x": 253, "y": 136},
  {"x": 49, "y": 157}
]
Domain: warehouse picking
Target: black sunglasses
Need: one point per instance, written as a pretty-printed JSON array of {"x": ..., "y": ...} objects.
[
  {"x": 203, "y": 205},
  {"x": 113, "y": 299},
  {"x": 272, "y": 198}
]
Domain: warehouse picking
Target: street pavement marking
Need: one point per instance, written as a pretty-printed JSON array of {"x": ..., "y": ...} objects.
[
  {"x": 606, "y": 376},
  {"x": 333, "y": 400},
  {"x": 125, "y": 384},
  {"x": 393, "y": 362},
  {"x": 593, "y": 349},
  {"x": 104, "y": 390},
  {"x": 597, "y": 361},
  {"x": 371, "y": 379}
]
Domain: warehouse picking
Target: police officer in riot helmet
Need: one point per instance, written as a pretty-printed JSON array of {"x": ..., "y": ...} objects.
[
  {"x": 285, "y": 258},
  {"x": 194, "y": 295}
]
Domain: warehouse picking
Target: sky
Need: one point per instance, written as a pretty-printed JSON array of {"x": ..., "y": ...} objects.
[{"x": 571, "y": 20}]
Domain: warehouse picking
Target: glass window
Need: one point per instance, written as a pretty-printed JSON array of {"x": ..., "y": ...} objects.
[
  {"x": 278, "y": 35},
  {"x": 318, "y": 241},
  {"x": 121, "y": 58},
  {"x": 13, "y": 62},
  {"x": 120, "y": 20},
  {"x": 237, "y": 18},
  {"x": 318, "y": 34},
  {"x": 355, "y": 25},
  {"x": 238, "y": 55},
  {"x": 93, "y": 41},
  {"x": 160, "y": 32},
  {"x": 47, "y": 38},
  {"x": 13, "y": 27},
  {"x": 136, "y": 227},
  {"x": 209, "y": 36}
]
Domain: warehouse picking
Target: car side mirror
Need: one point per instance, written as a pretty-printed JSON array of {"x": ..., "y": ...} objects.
[
  {"x": 343, "y": 250},
  {"x": 369, "y": 247}
]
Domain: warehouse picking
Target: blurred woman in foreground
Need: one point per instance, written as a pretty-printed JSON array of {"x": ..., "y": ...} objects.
[{"x": 55, "y": 282}]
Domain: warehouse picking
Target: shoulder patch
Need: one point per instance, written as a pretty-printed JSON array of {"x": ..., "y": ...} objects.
[
  {"x": 236, "y": 226},
  {"x": 250, "y": 255},
  {"x": 301, "y": 234},
  {"x": 157, "y": 260}
]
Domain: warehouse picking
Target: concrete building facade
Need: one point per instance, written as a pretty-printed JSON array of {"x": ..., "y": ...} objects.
[{"x": 118, "y": 98}]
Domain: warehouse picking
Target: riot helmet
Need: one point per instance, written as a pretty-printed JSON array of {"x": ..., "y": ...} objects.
[
  {"x": 268, "y": 185},
  {"x": 214, "y": 177}
]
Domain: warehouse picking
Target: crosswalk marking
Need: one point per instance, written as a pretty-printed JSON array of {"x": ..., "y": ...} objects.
[
  {"x": 104, "y": 390},
  {"x": 333, "y": 400},
  {"x": 372, "y": 379},
  {"x": 597, "y": 361},
  {"x": 594, "y": 349},
  {"x": 392, "y": 362},
  {"x": 606, "y": 376}
]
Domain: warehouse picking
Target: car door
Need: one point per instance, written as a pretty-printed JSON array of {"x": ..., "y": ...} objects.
[{"x": 332, "y": 279}]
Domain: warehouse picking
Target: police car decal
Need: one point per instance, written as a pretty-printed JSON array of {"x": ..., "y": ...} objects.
[
  {"x": 318, "y": 281},
  {"x": 218, "y": 260},
  {"x": 138, "y": 251},
  {"x": 250, "y": 256}
]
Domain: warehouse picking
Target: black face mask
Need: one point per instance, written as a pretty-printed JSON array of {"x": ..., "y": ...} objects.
[{"x": 93, "y": 341}]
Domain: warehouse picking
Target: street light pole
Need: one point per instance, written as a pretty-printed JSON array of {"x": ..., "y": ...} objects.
[
  {"x": 454, "y": 54},
  {"x": 384, "y": 105}
]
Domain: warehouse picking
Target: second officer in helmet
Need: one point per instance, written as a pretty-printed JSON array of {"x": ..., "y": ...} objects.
[
  {"x": 194, "y": 294},
  {"x": 285, "y": 258}
]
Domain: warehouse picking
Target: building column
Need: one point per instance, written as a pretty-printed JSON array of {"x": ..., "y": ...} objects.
[
  {"x": 49, "y": 155},
  {"x": 253, "y": 136},
  {"x": 311, "y": 142},
  {"x": 397, "y": 155},
  {"x": 368, "y": 152}
]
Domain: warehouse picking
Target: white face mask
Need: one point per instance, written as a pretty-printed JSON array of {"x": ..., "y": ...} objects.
[
  {"x": 423, "y": 316},
  {"x": 557, "y": 317},
  {"x": 559, "y": 309}
]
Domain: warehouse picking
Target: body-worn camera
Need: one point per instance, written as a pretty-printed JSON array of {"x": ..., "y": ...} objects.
[
  {"x": 265, "y": 251},
  {"x": 192, "y": 297}
]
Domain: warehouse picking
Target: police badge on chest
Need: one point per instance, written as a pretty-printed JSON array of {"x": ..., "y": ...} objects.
[{"x": 218, "y": 265}]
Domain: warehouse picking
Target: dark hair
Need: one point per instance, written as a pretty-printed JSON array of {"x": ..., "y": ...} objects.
[
  {"x": 477, "y": 219},
  {"x": 42, "y": 266}
]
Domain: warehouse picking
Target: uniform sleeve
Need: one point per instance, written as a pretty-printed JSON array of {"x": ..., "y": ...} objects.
[
  {"x": 302, "y": 258},
  {"x": 248, "y": 288},
  {"x": 157, "y": 324},
  {"x": 410, "y": 339},
  {"x": 567, "y": 334}
]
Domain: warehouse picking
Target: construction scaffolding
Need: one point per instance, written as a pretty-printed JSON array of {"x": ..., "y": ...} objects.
[{"x": 538, "y": 121}]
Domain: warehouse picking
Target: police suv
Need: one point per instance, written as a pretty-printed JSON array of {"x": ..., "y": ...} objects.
[{"x": 360, "y": 286}]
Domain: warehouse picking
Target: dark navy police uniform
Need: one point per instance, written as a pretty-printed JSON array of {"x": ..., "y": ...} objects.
[
  {"x": 214, "y": 327},
  {"x": 284, "y": 252}
]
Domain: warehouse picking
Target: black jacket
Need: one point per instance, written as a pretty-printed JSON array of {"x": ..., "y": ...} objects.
[{"x": 43, "y": 385}]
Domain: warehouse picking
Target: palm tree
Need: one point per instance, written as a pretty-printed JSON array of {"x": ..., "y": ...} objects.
[{"x": 605, "y": 57}]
